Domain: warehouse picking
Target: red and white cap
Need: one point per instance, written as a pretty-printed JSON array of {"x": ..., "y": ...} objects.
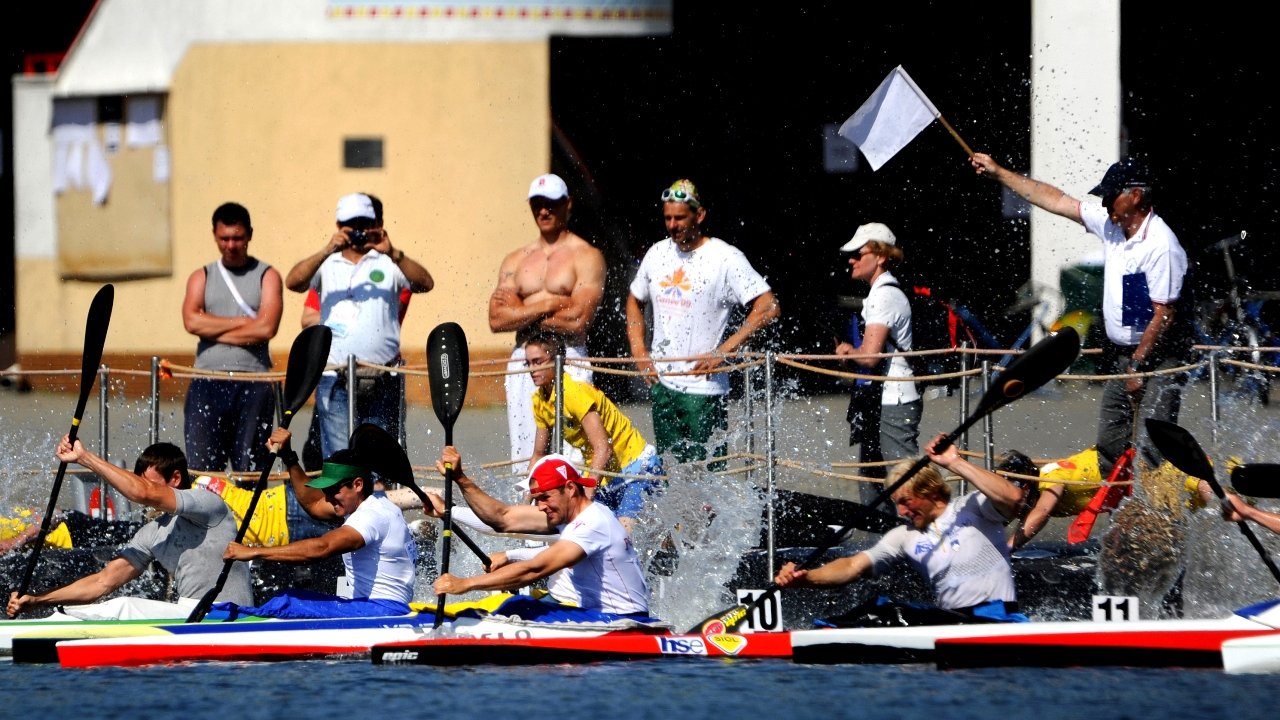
[
  {"x": 548, "y": 186},
  {"x": 550, "y": 472}
]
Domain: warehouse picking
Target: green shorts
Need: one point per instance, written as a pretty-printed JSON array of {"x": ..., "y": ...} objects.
[{"x": 683, "y": 424}]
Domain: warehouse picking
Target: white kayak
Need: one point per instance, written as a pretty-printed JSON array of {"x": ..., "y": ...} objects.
[
  {"x": 1257, "y": 654},
  {"x": 1160, "y": 643},
  {"x": 127, "y": 613}
]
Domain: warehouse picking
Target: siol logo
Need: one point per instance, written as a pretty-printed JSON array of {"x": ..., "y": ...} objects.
[
  {"x": 677, "y": 645},
  {"x": 727, "y": 643}
]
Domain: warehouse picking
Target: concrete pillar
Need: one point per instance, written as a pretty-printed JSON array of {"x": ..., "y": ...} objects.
[{"x": 1075, "y": 124}]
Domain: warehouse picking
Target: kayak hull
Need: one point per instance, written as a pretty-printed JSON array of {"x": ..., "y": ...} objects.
[
  {"x": 296, "y": 639},
  {"x": 1158, "y": 643},
  {"x": 1257, "y": 654},
  {"x": 619, "y": 646}
]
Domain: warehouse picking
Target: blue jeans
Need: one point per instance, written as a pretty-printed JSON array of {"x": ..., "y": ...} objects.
[
  {"x": 377, "y": 402},
  {"x": 625, "y": 497},
  {"x": 228, "y": 421}
]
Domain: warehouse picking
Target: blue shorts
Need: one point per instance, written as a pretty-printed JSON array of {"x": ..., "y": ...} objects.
[
  {"x": 299, "y": 603},
  {"x": 626, "y": 497}
]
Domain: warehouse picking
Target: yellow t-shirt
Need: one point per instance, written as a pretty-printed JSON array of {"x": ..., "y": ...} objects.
[
  {"x": 1083, "y": 468},
  {"x": 1079, "y": 468},
  {"x": 579, "y": 399},
  {"x": 269, "y": 526}
]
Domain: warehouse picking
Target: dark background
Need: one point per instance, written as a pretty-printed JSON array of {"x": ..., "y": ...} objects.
[{"x": 736, "y": 99}]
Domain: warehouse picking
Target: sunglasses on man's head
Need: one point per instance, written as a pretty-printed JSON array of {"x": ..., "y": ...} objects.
[{"x": 680, "y": 195}]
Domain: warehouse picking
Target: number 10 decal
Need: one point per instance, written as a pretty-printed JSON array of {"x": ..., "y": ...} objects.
[{"x": 767, "y": 617}]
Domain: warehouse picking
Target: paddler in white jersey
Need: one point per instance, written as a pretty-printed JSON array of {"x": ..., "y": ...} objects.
[
  {"x": 601, "y": 569},
  {"x": 957, "y": 544}
]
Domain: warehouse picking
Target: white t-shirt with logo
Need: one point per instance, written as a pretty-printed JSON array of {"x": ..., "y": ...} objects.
[
  {"x": 691, "y": 295},
  {"x": 360, "y": 303}
]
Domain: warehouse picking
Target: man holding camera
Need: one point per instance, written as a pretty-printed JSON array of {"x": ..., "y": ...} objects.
[{"x": 359, "y": 277}]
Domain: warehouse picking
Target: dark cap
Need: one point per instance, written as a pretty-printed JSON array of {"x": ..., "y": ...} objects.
[{"x": 1126, "y": 173}]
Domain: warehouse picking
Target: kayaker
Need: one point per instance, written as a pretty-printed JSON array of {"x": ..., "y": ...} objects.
[
  {"x": 1073, "y": 487},
  {"x": 187, "y": 540},
  {"x": 593, "y": 424},
  {"x": 378, "y": 549},
  {"x": 601, "y": 571},
  {"x": 957, "y": 544}
]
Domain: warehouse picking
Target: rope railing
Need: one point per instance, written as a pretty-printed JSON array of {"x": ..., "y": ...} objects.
[{"x": 733, "y": 362}]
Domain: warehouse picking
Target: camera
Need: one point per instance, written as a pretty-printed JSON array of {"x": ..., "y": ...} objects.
[{"x": 359, "y": 238}]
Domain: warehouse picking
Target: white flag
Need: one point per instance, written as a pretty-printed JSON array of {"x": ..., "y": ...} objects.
[{"x": 894, "y": 114}]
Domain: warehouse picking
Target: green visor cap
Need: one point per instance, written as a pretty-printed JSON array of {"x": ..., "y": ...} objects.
[{"x": 334, "y": 473}]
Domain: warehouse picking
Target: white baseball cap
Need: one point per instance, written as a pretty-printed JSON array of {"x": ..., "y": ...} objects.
[
  {"x": 548, "y": 186},
  {"x": 355, "y": 205},
  {"x": 867, "y": 233}
]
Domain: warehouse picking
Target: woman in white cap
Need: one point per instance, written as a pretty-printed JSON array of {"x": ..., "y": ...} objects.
[{"x": 884, "y": 416}]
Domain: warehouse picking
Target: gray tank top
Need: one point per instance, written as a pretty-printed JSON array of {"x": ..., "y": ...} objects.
[{"x": 219, "y": 301}]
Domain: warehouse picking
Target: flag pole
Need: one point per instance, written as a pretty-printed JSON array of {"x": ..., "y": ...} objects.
[
  {"x": 934, "y": 109},
  {"x": 956, "y": 135}
]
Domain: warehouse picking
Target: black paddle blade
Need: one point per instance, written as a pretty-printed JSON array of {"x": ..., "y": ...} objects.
[
  {"x": 95, "y": 338},
  {"x": 1043, "y": 362},
  {"x": 307, "y": 357},
  {"x": 1179, "y": 447},
  {"x": 383, "y": 453},
  {"x": 447, "y": 371},
  {"x": 1260, "y": 480}
]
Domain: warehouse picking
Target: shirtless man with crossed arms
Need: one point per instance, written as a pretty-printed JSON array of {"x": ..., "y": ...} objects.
[{"x": 554, "y": 284}]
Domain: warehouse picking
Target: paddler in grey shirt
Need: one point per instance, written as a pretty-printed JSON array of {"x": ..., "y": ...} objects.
[{"x": 188, "y": 539}]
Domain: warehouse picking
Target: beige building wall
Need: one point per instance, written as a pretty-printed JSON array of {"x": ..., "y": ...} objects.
[{"x": 465, "y": 127}]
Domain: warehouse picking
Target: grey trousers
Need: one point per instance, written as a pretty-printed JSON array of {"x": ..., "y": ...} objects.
[
  {"x": 1162, "y": 399},
  {"x": 899, "y": 436}
]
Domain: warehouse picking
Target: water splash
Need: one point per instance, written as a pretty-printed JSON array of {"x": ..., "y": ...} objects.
[{"x": 709, "y": 522}]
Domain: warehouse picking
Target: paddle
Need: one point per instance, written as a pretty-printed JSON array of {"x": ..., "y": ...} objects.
[
  {"x": 390, "y": 461},
  {"x": 447, "y": 370},
  {"x": 1044, "y": 361},
  {"x": 95, "y": 337},
  {"x": 307, "y": 357},
  {"x": 1180, "y": 448},
  {"x": 1256, "y": 480}
]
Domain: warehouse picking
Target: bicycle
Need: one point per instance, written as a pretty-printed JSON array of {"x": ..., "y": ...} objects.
[{"x": 1236, "y": 321}]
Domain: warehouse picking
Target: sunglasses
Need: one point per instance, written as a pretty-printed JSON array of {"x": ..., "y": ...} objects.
[
  {"x": 680, "y": 195},
  {"x": 333, "y": 490}
]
